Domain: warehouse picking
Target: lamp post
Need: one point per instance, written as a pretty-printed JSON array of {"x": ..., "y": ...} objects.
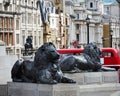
[
  {"x": 119, "y": 23},
  {"x": 87, "y": 23},
  {"x": 111, "y": 34},
  {"x": 26, "y": 19}
]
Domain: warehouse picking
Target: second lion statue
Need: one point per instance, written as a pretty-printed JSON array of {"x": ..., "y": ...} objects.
[
  {"x": 44, "y": 69},
  {"x": 89, "y": 60}
]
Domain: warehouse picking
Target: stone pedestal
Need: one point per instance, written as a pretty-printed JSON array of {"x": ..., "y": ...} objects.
[
  {"x": 3, "y": 90},
  {"x": 99, "y": 89},
  {"x": 88, "y": 84},
  {"x": 94, "y": 77},
  {"x": 30, "y": 89}
]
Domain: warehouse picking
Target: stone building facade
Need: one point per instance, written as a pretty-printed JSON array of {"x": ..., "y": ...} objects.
[{"x": 19, "y": 19}]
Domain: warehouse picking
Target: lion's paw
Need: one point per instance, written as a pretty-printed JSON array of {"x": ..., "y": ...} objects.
[
  {"x": 53, "y": 82},
  {"x": 71, "y": 81}
]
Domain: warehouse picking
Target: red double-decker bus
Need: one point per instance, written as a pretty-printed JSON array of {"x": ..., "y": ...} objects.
[{"x": 110, "y": 56}]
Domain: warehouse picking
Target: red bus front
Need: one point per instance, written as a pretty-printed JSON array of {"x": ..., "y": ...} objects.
[{"x": 111, "y": 57}]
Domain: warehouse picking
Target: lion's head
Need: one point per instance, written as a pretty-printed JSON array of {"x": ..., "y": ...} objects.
[
  {"x": 46, "y": 53},
  {"x": 93, "y": 51}
]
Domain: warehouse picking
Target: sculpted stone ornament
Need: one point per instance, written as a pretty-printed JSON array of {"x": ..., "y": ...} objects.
[
  {"x": 44, "y": 69},
  {"x": 89, "y": 60}
]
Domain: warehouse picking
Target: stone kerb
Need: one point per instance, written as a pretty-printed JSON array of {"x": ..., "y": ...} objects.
[{"x": 31, "y": 89}]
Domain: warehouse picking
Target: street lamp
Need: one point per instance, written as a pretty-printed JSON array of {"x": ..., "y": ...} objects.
[
  {"x": 87, "y": 23},
  {"x": 111, "y": 34},
  {"x": 119, "y": 23}
]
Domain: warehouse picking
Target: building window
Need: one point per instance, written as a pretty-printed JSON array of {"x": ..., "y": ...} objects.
[
  {"x": 10, "y": 23},
  {"x": 66, "y": 21},
  {"x": 0, "y": 6},
  {"x": 17, "y": 24},
  {"x": 6, "y": 38},
  {"x": 22, "y": 2},
  {"x": 23, "y": 18},
  {"x": 39, "y": 37},
  {"x": 35, "y": 18},
  {"x": 107, "y": 8},
  {"x": 77, "y": 16},
  {"x": 38, "y": 19},
  {"x": 91, "y": 4},
  {"x": 23, "y": 37},
  {"x": 10, "y": 7},
  {"x": 77, "y": 26},
  {"x": 29, "y": 18},
  {"x": 5, "y": 22},
  {"x": 0, "y": 22},
  {"x": 35, "y": 39},
  {"x": 11, "y": 38},
  {"x": 17, "y": 38},
  {"x": 52, "y": 23},
  {"x": 77, "y": 37},
  {"x": 29, "y": 2}
]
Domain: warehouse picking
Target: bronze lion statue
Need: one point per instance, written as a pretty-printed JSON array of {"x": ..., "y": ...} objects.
[
  {"x": 44, "y": 69},
  {"x": 88, "y": 60}
]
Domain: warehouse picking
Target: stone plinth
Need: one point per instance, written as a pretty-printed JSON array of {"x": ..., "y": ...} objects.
[
  {"x": 117, "y": 93},
  {"x": 31, "y": 89},
  {"x": 3, "y": 90},
  {"x": 94, "y": 77},
  {"x": 99, "y": 89},
  {"x": 110, "y": 77}
]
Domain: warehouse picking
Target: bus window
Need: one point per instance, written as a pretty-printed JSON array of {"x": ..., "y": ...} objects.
[{"x": 107, "y": 54}]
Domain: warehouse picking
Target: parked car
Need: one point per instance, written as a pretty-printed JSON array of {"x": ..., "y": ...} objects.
[{"x": 110, "y": 56}]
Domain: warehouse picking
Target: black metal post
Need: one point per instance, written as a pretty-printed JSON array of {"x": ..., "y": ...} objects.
[
  {"x": 87, "y": 33},
  {"x": 119, "y": 23},
  {"x": 111, "y": 40},
  {"x": 87, "y": 23}
]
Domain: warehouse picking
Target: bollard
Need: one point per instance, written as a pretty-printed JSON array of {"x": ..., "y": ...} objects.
[{"x": 119, "y": 74}]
